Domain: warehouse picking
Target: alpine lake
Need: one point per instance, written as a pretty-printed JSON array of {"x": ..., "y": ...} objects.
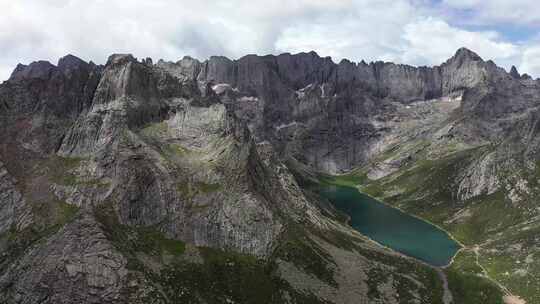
[{"x": 391, "y": 227}]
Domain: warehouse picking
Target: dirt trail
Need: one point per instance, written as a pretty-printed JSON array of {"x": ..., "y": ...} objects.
[
  {"x": 513, "y": 300},
  {"x": 447, "y": 294}
]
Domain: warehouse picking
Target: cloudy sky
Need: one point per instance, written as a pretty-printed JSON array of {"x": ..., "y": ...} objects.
[{"x": 418, "y": 32}]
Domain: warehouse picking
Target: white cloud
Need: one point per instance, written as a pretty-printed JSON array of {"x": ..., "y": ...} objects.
[
  {"x": 530, "y": 62},
  {"x": 407, "y": 31},
  {"x": 48, "y": 29},
  {"x": 433, "y": 41},
  {"x": 369, "y": 30},
  {"x": 396, "y": 33},
  {"x": 521, "y": 12}
]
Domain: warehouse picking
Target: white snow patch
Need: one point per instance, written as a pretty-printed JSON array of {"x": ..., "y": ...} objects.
[
  {"x": 323, "y": 93},
  {"x": 282, "y": 126},
  {"x": 220, "y": 88},
  {"x": 306, "y": 88},
  {"x": 249, "y": 98}
]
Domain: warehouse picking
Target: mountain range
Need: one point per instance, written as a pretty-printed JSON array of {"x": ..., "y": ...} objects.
[{"x": 188, "y": 181}]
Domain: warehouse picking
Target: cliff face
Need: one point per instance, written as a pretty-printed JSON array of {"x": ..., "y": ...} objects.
[
  {"x": 328, "y": 115},
  {"x": 116, "y": 178}
]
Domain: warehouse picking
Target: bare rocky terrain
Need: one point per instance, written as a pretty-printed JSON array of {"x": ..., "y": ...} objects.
[{"x": 183, "y": 182}]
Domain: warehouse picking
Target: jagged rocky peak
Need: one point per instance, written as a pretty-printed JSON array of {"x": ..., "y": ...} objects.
[
  {"x": 464, "y": 54},
  {"x": 190, "y": 66},
  {"x": 120, "y": 59},
  {"x": 527, "y": 76},
  {"x": 466, "y": 70},
  {"x": 185, "y": 69},
  {"x": 148, "y": 61},
  {"x": 35, "y": 70},
  {"x": 71, "y": 62},
  {"x": 296, "y": 71},
  {"x": 44, "y": 70},
  {"x": 304, "y": 68},
  {"x": 514, "y": 72},
  {"x": 125, "y": 76},
  {"x": 217, "y": 69},
  {"x": 187, "y": 58}
]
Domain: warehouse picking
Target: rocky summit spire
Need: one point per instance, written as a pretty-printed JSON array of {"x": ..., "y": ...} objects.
[
  {"x": 120, "y": 59},
  {"x": 514, "y": 72},
  {"x": 35, "y": 70},
  {"x": 70, "y": 62},
  {"x": 464, "y": 55}
]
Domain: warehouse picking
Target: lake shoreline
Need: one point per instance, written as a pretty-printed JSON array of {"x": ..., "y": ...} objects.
[
  {"x": 462, "y": 246},
  {"x": 358, "y": 188}
]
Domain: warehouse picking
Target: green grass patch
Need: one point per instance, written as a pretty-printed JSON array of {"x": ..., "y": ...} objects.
[
  {"x": 174, "y": 150},
  {"x": 155, "y": 130},
  {"x": 227, "y": 277},
  {"x": 401, "y": 271},
  {"x": 54, "y": 216},
  {"x": 351, "y": 179},
  {"x": 151, "y": 241},
  {"x": 490, "y": 214},
  {"x": 513, "y": 271},
  {"x": 66, "y": 212},
  {"x": 60, "y": 169},
  {"x": 465, "y": 262},
  {"x": 467, "y": 282},
  {"x": 131, "y": 240},
  {"x": 208, "y": 188},
  {"x": 189, "y": 190},
  {"x": 61, "y": 172},
  {"x": 470, "y": 288}
]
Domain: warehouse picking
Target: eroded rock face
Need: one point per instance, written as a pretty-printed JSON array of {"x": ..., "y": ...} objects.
[
  {"x": 14, "y": 213},
  {"x": 77, "y": 264},
  {"x": 40, "y": 101},
  {"x": 480, "y": 178},
  {"x": 127, "y": 95}
]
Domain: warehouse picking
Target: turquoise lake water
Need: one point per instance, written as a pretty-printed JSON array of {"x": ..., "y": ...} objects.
[{"x": 392, "y": 227}]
